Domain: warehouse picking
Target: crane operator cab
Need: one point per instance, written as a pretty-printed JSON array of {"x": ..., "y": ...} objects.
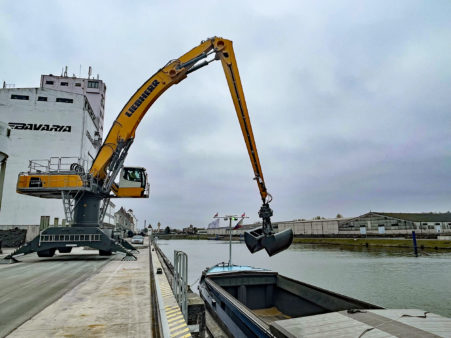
[{"x": 132, "y": 183}]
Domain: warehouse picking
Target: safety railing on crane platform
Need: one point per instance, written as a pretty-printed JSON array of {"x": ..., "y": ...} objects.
[{"x": 58, "y": 165}]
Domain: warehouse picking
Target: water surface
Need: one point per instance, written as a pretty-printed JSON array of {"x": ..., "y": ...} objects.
[{"x": 392, "y": 278}]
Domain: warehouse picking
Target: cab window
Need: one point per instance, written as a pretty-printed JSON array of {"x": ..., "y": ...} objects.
[{"x": 133, "y": 175}]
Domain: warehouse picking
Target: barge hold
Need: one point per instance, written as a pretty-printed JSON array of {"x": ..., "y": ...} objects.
[{"x": 254, "y": 302}]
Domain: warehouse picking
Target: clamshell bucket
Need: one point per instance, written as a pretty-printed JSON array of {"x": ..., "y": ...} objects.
[
  {"x": 253, "y": 238},
  {"x": 256, "y": 240}
]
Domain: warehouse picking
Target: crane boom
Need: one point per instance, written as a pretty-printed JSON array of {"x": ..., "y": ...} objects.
[{"x": 127, "y": 121}]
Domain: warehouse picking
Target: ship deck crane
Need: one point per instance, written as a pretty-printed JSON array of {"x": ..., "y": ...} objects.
[{"x": 86, "y": 195}]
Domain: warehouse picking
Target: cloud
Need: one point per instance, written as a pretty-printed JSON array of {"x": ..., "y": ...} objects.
[{"x": 349, "y": 100}]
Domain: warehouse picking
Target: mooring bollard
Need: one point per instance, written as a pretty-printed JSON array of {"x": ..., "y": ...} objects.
[{"x": 415, "y": 248}]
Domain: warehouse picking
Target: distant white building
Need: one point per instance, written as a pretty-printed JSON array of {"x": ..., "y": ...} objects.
[
  {"x": 314, "y": 227},
  {"x": 125, "y": 220},
  {"x": 61, "y": 118},
  {"x": 134, "y": 220}
]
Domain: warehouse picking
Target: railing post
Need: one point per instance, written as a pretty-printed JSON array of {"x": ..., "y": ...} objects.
[{"x": 179, "y": 284}]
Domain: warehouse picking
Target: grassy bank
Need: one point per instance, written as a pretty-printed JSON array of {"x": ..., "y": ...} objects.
[
  {"x": 378, "y": 242},
  {"x": 366, "y": 242}
]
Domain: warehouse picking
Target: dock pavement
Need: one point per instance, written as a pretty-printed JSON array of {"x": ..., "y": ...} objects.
[{"x": 113, "y": 302}]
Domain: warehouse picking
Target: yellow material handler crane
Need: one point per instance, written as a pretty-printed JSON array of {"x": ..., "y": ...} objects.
[{"x": 86, "y": 195}]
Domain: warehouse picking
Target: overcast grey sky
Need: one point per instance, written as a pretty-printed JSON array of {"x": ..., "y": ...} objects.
[{"x": 349, "y": 100}]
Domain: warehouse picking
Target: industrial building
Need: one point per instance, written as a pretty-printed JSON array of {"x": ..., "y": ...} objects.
[
  {"x": 62, "y": 118},
  {"x": 315, "y": 227},
  {"x": 390, "y": 223},
  {"x": 371, "y": 223}
]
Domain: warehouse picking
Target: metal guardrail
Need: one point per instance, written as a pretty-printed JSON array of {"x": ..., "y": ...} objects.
[
  {"x": 56, "y": 165},
  {"x": 196, "y": 310},
  {"x": 180, "y": 281}
]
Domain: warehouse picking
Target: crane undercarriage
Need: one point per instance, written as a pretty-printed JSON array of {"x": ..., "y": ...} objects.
[
  {"x": 64, "y": 239},
  {"x": 84, "y": 210}
]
